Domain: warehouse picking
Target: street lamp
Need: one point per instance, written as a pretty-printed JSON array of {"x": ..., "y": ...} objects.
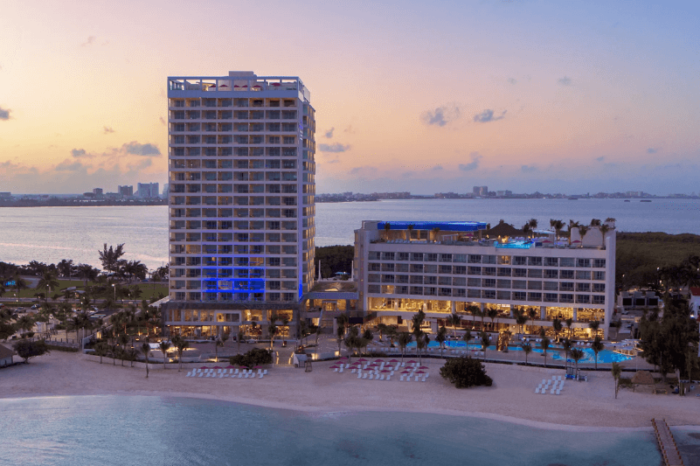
[{"x": 114, "y": 286}]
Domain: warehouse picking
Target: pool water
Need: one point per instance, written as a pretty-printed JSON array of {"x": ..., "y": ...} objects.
[
  {"x": 604, "y": 356},
  {"x": 125, "y": 430}
]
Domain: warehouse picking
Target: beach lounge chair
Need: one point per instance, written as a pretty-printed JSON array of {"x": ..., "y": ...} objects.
[
  {"x": 247, "y": 375},
  {"x": 201, "y": 374},
  {"x": 359, "y": 375},
  {"x": 558, "y": 392},
  {"x": 537, "y": 390},
  {"x": 240, "y": 375},
  {"x": 235, "y": 371},
  {"x": 388, "y": 378},
  {"x": 401, "y": 378},
  {"x": 261, "y": 375},
  {"x": 265, "y": 371}
]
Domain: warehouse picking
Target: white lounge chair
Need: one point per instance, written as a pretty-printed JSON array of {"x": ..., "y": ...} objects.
[{"x": 537, "y": 390}]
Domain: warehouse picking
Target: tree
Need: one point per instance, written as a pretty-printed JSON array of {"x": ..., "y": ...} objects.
[
  {"x": 123, "y": 341},
  {"x": 532, "y": 223},
  {"x": 101, "y": 349},
  {"x": 25, "y": 323},
  {"x": 27, "y": 349},
  {"x": 367, "y": 335},
  {"x": 582, "y": 230},
  {"x": 467, "y": 336},
  {"x": 422, "y": 341},
  {"x": 417, "y": 322},
  {"x": 527, "y": 349},
  {"x": 566, "y": 345},
  {"x": 594, "y": 325},
  {"x": 382, "y": 328},
  {"x": 239, "y": 337},
  {"x": 557, "y": 225},
  {"x": 616, "y": 373},
  {"x": 181, "y": 346},
  {"x": 387, "y": 227},
  {"x": 440, "y": 338},
  {"x": 47, "y": 281},
  {"x": 520, "y": 318},
  {"x": 404, "y": 339},
  {"x": 19, "y": 284},
  {"x": 465, "y": 372},
  {"x": 65, "y": 267},
  {"x": 595, "y": 222},
  {"x": 597, "y": 346},
  {"x": 410, "y": 231},
  {"x": 533, "y": 313},
  {"x": 164, "y": 347},
  {"x": 576, "y": 355},
  {"x": 87, "y": 272},
  {"x": 556, "y": 326},
  {"x": 544, "y": 345},
  {"x": 341, "y": 334},
  {"x": 485, "y": 342},
  {"x": 254, "y": 357},
  {"x": 435, "y": 231},
  {"x": 110, "y": 258},
  {"x": 492, "y": 313},
  {"x": 145, "y": 350},
  {"x": 569, "y": 323},
  {"x": 454, "y": 320}
]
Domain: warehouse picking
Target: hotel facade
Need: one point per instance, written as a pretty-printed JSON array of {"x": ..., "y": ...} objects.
[
  {"x": 241, "y": 157},
  {"x": 448, "y": 267}
]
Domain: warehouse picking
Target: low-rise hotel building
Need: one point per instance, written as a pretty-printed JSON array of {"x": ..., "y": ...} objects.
[{"x": 448, "y": 267}]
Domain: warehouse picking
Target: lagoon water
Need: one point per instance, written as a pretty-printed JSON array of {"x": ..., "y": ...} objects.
[
  {"x": 49, "y": 234},
  {"x": 123, "y": 430}
]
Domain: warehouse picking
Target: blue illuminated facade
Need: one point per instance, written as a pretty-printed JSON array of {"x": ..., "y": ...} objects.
[{"x": 428, "y": 226}]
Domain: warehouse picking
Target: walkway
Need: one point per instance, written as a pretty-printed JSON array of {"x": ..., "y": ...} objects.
[{"x": 667, "y": 444}]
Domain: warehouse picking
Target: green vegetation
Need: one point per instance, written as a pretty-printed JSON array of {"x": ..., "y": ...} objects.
[
  {"x": 638, "y": 255},
  {"x": 465, "y": 372},
  {"x": 334, "y": 259},
  {"x": 27, "y": 349},
  {"x": 102, "y": 290},
  {"x": 254, "y": 357}
]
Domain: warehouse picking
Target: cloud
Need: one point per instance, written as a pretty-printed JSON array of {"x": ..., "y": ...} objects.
[
  {"x": 5, "y": 113},
  {"x": 81, "y": 153},
  {"x": 473, "y": 165},
  {"x": 337, "y": 147},
  {"x": 136, "y": 148},
  {"x": 90, "y": 40},
  {"x": 528, "y": 168},
  {"x": 350, "y": 130},
  {"x": 363, "y": 170},
  {"x": 565, "y": 81},
  {"x": 108, "y": 130},
  {"x": 512, "y": 81},
  {"x": 600, "y": 159},
  {"x": 329, "y": 133},
  {"x": 162, "y": 121},
  {"x": 332, "y": 161},
  {"x": 440, "y": 116},
  {"x": 437, "y": 168},
  {"x": 487, "y": 116},
  {"x": 69, "y": 166},
  {"x": 652, "y": 150}
]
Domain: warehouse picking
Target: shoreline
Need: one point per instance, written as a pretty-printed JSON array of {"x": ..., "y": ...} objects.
[
  {"x": 582, "y": 406},
  {"x": 321, "y": 410}
]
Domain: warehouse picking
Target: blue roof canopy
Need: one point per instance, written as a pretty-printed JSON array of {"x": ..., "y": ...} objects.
[{"x": 443, "y": 226}]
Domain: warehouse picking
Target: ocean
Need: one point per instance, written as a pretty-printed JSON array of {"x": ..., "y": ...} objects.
[
  {"x": 123, "y": 430},
  {"x": 49, "y": 234}
]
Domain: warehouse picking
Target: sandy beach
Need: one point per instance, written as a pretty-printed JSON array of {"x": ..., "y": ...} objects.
[{"x": 581, "y": 405}]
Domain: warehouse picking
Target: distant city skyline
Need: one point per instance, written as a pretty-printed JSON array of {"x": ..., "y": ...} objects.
[{"x": 558, "y": 97}]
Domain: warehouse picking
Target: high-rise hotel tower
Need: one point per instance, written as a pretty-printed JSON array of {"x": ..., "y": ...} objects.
[{"x": 241, "y": 202}]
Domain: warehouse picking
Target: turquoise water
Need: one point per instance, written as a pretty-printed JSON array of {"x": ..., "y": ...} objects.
[
  {"x": 120, "y": 430},
  {"x": 604, "y": 356}
]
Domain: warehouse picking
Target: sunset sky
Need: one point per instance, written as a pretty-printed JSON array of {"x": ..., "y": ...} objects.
[{"x": 420, "y": 96}]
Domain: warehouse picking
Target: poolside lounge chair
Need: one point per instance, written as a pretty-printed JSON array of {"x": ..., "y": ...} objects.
[{"x": 261, "y": 375}]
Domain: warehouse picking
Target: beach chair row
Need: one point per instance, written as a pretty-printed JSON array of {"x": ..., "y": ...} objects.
[
  {"x": 553, "y": 386},
  {"x": 369, "y": 375},
  {"x": 230, "y": 373}
]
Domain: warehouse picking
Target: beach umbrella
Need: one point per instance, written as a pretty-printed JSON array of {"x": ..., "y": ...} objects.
[
  {"x": 257, "y": 367},
  {"x": 230, "y": 367},
  {"x": 362, "y": 360},
  {"x": 343, "y": 357},
  {"x": 411, "y": 362},
  {"x": 217, "y": 367},
  {"x": 334, "y": 367},
  {"x": 204, "y": 367},
  {"x": 394, "y": 360},
  {"x": 377, "y": 360},
  {"x": 223, "y": 85},
  {"x": 406, "y": 372},
  {"x": 423, "y": 367},
  {"x": 420, "y": 372}
]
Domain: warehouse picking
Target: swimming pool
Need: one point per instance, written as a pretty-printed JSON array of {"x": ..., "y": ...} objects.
[{"x": 554, "y": 353}]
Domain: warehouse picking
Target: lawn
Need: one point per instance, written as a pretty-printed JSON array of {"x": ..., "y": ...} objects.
[{"x": 148, "y": 290}]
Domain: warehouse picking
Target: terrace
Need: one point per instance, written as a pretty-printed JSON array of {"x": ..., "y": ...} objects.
[{"x": 238, "y": 83}]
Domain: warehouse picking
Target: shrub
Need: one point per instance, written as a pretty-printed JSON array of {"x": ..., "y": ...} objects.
[
  {"x": 254, "y": 357},
  {"x": 465, "y": 372},
  {"x": 28, "y": 349}
]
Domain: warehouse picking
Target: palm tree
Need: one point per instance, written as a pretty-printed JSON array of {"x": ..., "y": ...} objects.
[
  {"x": 410, "y": 232},
  {"x": 101, "y": 350},
  {"x": 582, "y": 230},
  {"x": 387, "y": 227},
  {"x": 544, "y": 345},
  {"x": 403, "y": 340},
  {"x": 527, "y": 349},
  {"x": 342, "y": 321},
  {"x": 239, "y": 337},
  {"x": 181, "y": 345},
  {"x": 595, "y": 222},
  {"x": 164, "y": 347},
  {"x": 520, "y": 319},
  {"x": 440, "y": 338},
  {"x": 477, "y": 312},
  {"x": 218, "y": 344},
  {"x": 48, "y": 280},
  {"x": 422, "y": 341},
  {"x": 526, "y": 229},
  {"x": 382, "y": 328},
  {"x": 110, "y": 258},
  {"x": 557, "y": 225},
  {"x": 566, "y": 346},
  {"x": 145, "y": 349},
  {"x": 594, "y": 325},
  {"x": 417, "y": 321},
  {"x": 454, "y": 321},
  {"x": 467, "y": 336},
  {"x": 436, "y": 232},
  {"x": 19, "y": 284},
  {"x": 123, "y": 341},
  {"x": 616, "y": 373},
  {"x": 576, "y": 355},
  {"x": 532, "y": 314},
  {"x": 341, "y": 335},
  {"x": 556, "y": 326},
  {"x": 569, "y": 322},
  {"x": 367, "y": 335},
  {"x": 485, "y": 341},
  {"x": 597, "y": 346},
  {"x": 492, "y": 313},
  {"x": 532, "y": 223},
  {"x": 604, "y": 229}
]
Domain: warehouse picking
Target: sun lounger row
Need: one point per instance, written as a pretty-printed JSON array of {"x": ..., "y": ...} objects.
[
  {"x": 373, "y": 376},
  {"x": 553, "y": 386},
  {"x": 230, "y": 373}
]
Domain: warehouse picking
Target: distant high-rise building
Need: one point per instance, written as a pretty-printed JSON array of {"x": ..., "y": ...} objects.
[
  {"x": 147, "y": 190},
  {"x": 126, "y": 190},
  {"x": 241, "y": 202},
  {"x": 166, "y": 190},
  {"x": 97, "y": 191},
  {"x": 481, "y": 190}
]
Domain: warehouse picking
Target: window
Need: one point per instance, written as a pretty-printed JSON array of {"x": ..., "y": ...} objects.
[
  {"x": 374, "y": 267},
  {"x": 402, "y": 267},
  {"x": 519, "y": 296},
  {"x": 430, "y": 291},
  {"x": 474, "y": 259},
  {"x": 445, "y": 281},
  {"x": 417, "y": 279},
  {"x": 416, "y": 290},
  {"x": 445, "y": 257},
  {"x": 520, "y": 272},
  {"x": 583, "y": 275},
  {"x": 387, "y": 267},
  {"x": 566, "y": 262},
  {"x": 430, "y": 280},
  {"x": 519, "y": 284},
  {"x": 488, "y": 283},
  {"x": 460, "y": 269},
  {"x": 402, "y": 256},
  {"x": 491, "y": 271},
  {"x": 599, "y": 287},
  {"x": 473, "y": 293},
  {"x": 599, "y": 263},
  {"x": 583, "y": 298},
  {"x": 430, "y": 268},
  {"x": 460, "y": 258},
  {"x": 551, "y": 297},
  {"x": 488, "y": 294},
  {"x": 598, "y": 299},
  {"x": 519, "y": 260},
  {"x": 534, "y": 296},
  {"x": 566, "y": 298},
  {"x": 373, "y": 289},
  {"x": 504, "y": 272},
  {"x": 474, "y": 270},
  {"x": 598, "y": 275},
  {"x": 474, "y": 282},
  {"x": 373, "y": 255},
  {"x": 488, "y": 259},
  {"x": 459, "y": 281},
  {"x": 551, "y": 273},
  {"x": 534, "y": 273},
  {"x": 503, "y": 283},
  {"x": 551, "y": 261},
  {"x": 388, "y": 256},
  {"x": 430, "y": 257},
  {"x": 583, "y": 287},
  {"x": 445, "y": 292},
  {"x": 387, "y": 279},
  {"x": 583, "y": 263},
  {"x": 417, "y": 256},
  {"x": 534, "y": 285},
  {"x": 566, "y": 286},
  {"x": 534, "y": 261},
  {"x": 552, "y": 286},
  {"x": 567, "y": 274},
  {"x": 503, "y": 294},
  {"x": 445, "y": 269}
]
